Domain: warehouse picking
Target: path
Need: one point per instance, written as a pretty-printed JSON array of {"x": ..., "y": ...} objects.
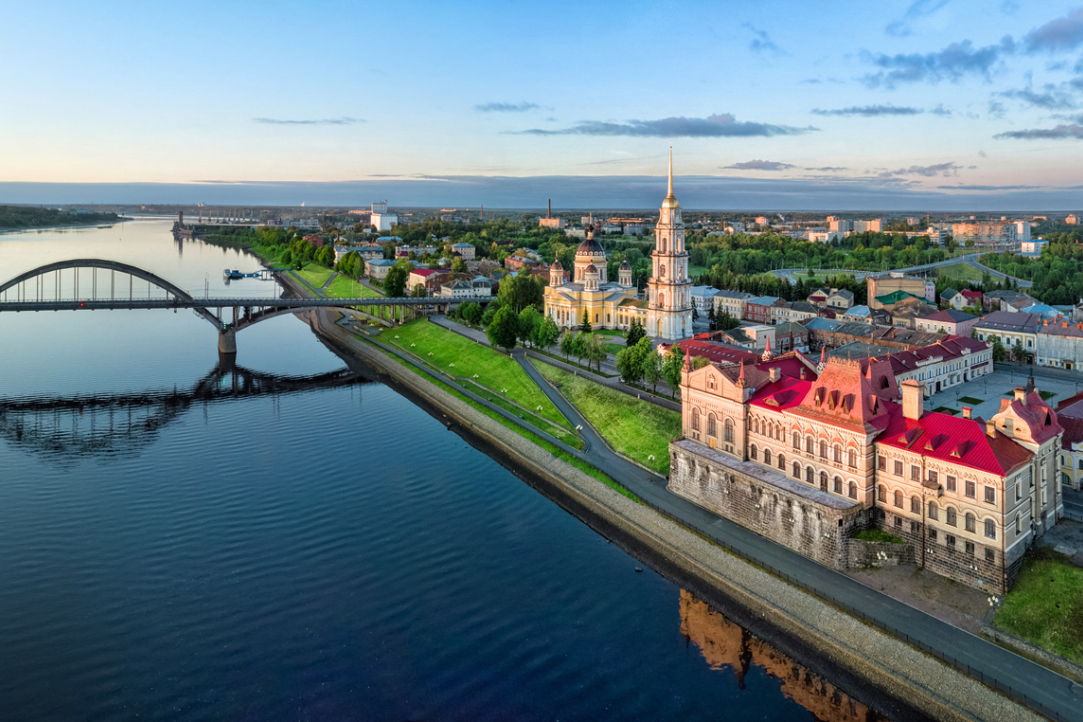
[
  {"x": 327, "y": 283},
  {"x": 973, "y": 261}
]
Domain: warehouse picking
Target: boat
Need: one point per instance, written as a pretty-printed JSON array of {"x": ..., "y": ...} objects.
[{"x": 232, "y": 274}]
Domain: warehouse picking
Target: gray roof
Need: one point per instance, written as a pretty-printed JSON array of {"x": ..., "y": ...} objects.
[
  {"x": 740, "y": 295},
  {"x": 804, "y": 306},
  {"x": 1010, "y": 321},
  {"x": 844, "y": 293}
]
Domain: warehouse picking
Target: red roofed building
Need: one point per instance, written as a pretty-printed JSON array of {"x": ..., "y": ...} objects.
[
  {"x": 947, "y": 363},
  {"x": 1070, "y": 416},
  {"x": 431, "y": 278},
  {"x": 809, "y": 454}
]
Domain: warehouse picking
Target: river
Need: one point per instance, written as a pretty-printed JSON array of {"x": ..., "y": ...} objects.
[{"x": 253, "y": 545}]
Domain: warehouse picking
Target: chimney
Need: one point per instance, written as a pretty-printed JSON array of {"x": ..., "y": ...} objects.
[
  {"x": 549, "y": 213},
  {"x": 774, "y": 373},
  {"x": 966, "y": 412},
  {"x": 1021, "y": 394},
  {"x": 913, "y": 399},
  {"x": 990, "y": 428}
]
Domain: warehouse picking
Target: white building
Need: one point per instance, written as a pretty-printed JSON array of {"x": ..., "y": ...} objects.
[
  {"x": 1022, "y": 231},
  {"x": 384, "y": 221},
  {"x": 875, "y": 226},
  {"x": 731, "y": 302},
  {"x": 669, "y": 310}
]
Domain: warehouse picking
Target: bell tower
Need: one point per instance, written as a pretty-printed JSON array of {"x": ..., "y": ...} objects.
[{"x": 669, "y": 291}]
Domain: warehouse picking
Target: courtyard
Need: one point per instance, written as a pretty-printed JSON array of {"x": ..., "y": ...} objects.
[{"x": 983, "y": 395}]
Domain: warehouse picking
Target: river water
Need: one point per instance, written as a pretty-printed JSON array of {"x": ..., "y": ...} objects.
[{"x": 274, "y": 543}]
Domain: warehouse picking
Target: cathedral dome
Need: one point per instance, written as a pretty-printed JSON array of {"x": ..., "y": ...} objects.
[
  {"x": 625, "y": 266},
  {"x": 591, "y": 269},
  {"x": 556, "y": 265},
  {"x": 590, "y": 247}
]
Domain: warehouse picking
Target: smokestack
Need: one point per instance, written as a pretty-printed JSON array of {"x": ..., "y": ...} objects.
[
  {"x": 913, "y": 398},
  {"x": 966, "y": 412},
  {"x": 549, "y": 213}
]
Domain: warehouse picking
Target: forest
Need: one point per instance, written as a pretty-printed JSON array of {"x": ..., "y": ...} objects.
[{"x": 18, "y": 217}]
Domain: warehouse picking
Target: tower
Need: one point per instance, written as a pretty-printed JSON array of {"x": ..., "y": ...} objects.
[
  {"x": 669, "y": 292},
  {"x": 556, "y": 274},
  {"x": 624, "y": 275}
]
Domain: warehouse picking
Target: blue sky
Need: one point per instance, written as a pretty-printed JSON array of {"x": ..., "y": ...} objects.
[{"x": 930, "y": 103}]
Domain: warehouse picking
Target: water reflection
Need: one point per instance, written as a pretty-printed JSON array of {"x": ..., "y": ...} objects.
[
  {"x": 725, "y": 645},
  {"x": 111, "y": 424}
]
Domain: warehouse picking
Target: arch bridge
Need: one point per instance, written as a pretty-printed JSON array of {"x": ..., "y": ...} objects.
[{"x": 44, "y": 289}]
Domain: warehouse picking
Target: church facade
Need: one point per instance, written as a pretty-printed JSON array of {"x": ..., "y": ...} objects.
[{"x": 665, "y": 312}]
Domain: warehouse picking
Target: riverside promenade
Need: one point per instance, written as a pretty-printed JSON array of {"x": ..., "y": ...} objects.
[{"x": 892, "y": 663}]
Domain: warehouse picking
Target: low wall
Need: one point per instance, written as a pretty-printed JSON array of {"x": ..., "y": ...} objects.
[{"x": 861, "y": 554}]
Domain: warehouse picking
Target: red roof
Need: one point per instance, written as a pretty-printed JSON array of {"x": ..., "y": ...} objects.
[
  {"x": 953, "y": 439},
  {"x": 971, "y": 294},
  {"x": 716, "y": 353},
  {"x": 1036, "y": 414},
  {"x": 423, "y": 272},
  {"x": 951, "y": 347}
]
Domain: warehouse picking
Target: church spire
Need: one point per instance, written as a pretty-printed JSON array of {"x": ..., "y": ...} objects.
[{"x": 670, "y": 172}]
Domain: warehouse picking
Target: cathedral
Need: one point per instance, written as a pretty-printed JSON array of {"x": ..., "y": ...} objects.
[{"x": 666, "y": 310}]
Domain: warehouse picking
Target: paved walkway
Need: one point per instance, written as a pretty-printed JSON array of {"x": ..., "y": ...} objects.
[
  {"x": 328, "y": 282},
  {"x": 971, "y": 654}
]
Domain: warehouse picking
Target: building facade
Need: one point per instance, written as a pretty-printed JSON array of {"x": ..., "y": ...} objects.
[{"x": 669, "y": 291}]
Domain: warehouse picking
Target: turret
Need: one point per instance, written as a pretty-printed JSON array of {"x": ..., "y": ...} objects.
[
  {"x": 556, "y": 274},
  {"x": 624, "y": 274}
]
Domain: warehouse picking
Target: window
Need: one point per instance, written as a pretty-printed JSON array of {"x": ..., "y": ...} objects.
[
  {"x": 970, "y": 522},
  {"x": 932, "y": 534},
  {"x": 933, "y": 510},
  {"x": 915, "y": 473},
  {"x": 838, "y": 485},
  {"x": 881, "y": 493},
  {"x": 898, "y": 522},
  {"x": 712, "y": 429},
  {"x": 990, "y": 529},
  {"x": 823, "y": 480},
  {"x": 853, "y": 490},
  {"x": 951, "y": 483},
  {"x": 823, "y": 449},
  {"x": 851, "y": 457},
  {"x": 782, "y": 462},
  {"x": 915, "y": 527},
  {"x": 767, "y": 456},
  {"x": 1017, "y": 527},
  {"x": 727, "y": 430},
  {"x": 970, "y": 489},
  {"x": 755, "y": 426},
  {"x": 990, "y": 495},
  {"x": 970, "y": 548},
  {"x": 898, "y": 499},
  {"x": 808, "y": 444},
  {"x": 952, "y": 517},
  {"x": 915, "y": 505},
  {"x": 881, "y": 464},
  {"x": 950, "y": 539},
  {"x": 810, "y": 475},
  {"x": 836, "y": 452},
  {"x": 934, "y": 477},
  {"x": 796, "y": 441},
  {"x": 990, "y": 556},
  {"x": 898, "y": 468},
  {"x": 796, "y": 470},
  {"x": 1018, "y": 489},
  {"x": 752, "y": 452},
  {"x": 695, "y": 419}
]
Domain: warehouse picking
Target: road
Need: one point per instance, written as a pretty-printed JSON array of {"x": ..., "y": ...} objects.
[{"x": 971, "y": 259}]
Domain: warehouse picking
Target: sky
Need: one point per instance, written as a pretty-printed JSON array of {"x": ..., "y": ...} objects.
[{"x": 923, "y": 104}]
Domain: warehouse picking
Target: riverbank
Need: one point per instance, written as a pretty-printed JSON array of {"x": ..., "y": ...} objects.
[{"x": 894, "y": 677}]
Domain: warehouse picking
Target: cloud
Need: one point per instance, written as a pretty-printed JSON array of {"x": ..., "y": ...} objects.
[
  {"x": 1064, "y": 33},
  {"x": 762, "y": 43},
  {"x": 961, "y": 187},
  {"x": 759, "y": 165},
  {"x": 1050, "y": 98},
  {"x": 506, "y": 107},
  {"x": 869, "y": 110},
  {"x": 722, "y": 125},
  {"x": 940, "y": 110},
  {"x": 952, "y": 63},
  {"x": 918, "y": 8},
  {"x": 982, "y": 154},
  {"x": 828, "y": 169},
  {"x": 321, "y": 121},
  {"x": 1059, "y": 132},
  {"x": 944, "y": 169}
]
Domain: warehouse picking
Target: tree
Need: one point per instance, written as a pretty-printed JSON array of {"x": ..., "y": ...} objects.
[
  {"x": 969, "y": 243},
  {"x": 504, "y": 329},
  {"x": 458, "y": 265},
  {"x": 596, "y": 351},
  {"x": 419, "y": 291},
  {"x": 1018, "y": 352},
  {"x": 699, "y": 362},
  {"x": 695, "y": 312},
  {"x": 471, "y": 312},
  {"x": 672, "y": 366},
  {"x": 652, "y": 370},
  {"x": 395, "y": 282},
  {"x": 999, "y": 354},
  {"x": 522, "y": 291},
  {"x": 490, "y": 313},
  {"x": 545, "y": 332},
  {"x": 725, "y": 321},
  {"x": 635, "y": 332},
  {"x": 528, "y": 319},
  {"x": 630, "y": 362},
  {"x": 579, "y": 347},
  {"x": 566, "y": 344},
  {"x": 711, "y": 323},
  {"x": 326, "y": 256},
  {"x": 584, "y": 326}
]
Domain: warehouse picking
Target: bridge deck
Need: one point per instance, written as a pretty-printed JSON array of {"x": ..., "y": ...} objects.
[{"x": 160, "y": 303}]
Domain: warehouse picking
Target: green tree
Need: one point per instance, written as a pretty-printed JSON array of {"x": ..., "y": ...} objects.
[
  {"x": 545, "y": 332},
  {"x": 725, "y": 321},
  {"x": 395, "y": 281},
  {"x": 596, "y": 352},
  {"x": 471, "y": 312},
  {"x": 504, "y": 329},
  {"x": 999, "y": 354},
  {"x": 458, "y": 265},
  {"x": 522, "y": 291},
  {"x": 578, "y": 347},
  {"x": 635, "y": 332},
  {"x": 652, "y": 370},
  {"x": 419, "y": 291},
  {"x": 326, "y": 256},
  {"x": 695, "y": 312},
  {"x": 672, "y": 366},
  {"x": 566, "y": 344},
  {"x": 1018, "y": 352},
  {"x": 584, "y": 325},
  {"x": 528, "y": 319},
  {"x": 630, "y": 362},
  {"x": 490, "y": 313},
  {"x": 712, "y": 324}
]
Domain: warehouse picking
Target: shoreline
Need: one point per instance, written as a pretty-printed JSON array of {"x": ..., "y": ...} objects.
[
  {"x": 122, "y": 219},
  {"x": 826, "y": 640}
]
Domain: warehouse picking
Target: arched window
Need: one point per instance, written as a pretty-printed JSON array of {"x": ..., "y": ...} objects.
[
  {"x": 952, "y": 517},
  {"x": 915, "y": 505},
  {"x": 990, "y": 529},
  {"x": 823, "y": 449},
  {"x": 712, "y": 430},
  {"x": 970, "y": 522},
  {"x": 662, "y": 270},
  {"x": 934, "y": 512},
  {"x": 797, "y": 441},
  {"x": 782, "y": 462},
  {"x": 808, "y": 444},
  {"x": 661, "y": 299},
  {"x": 898, "y": 499},
  {"x": 853, "y": 490},
  {"x": 851, "y": 457},
  {"x": 695, "y": 419},
  {"x": 810, "y": 475},
  {"x": 767, "y": 456},
  {"x": 752, "y": 452},
  {"x": 881, "y": 493},
  {"x": 728, "y": 431},
  {"x": 836, "y": 452},
  {"x": 755, "y": 426},
  {"x": 823, "y": 479},
  {"x": 838, "y": 485},
  {"x": 796, "y": 470}
]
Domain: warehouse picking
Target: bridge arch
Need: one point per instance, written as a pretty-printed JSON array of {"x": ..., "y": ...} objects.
[{"x": 127, "y": 268}]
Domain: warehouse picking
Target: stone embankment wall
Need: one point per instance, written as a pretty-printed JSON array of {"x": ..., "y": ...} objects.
[
  {"x": 819, "y": 531},
  {"x": 863, "y": 554}
]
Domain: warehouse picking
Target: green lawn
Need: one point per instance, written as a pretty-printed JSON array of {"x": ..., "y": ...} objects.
[
  {"x": 530, "y": 416},
  {"x": 1045, "y": 607},
  {"x": 494, "y": 369},
  {"x": 316, "y": 275},
  {"x": 970, "y": 400},
  {"x": 613, "y": 348},
  {"x": 343, "y": 287},
  {"x": 609, "y": 332},
  {"x": 636, "y": 428},
  {"x": 961, "y": 271}
]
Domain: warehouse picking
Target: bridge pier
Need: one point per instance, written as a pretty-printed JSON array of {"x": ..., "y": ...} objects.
[{"x": 227, "y": 342}]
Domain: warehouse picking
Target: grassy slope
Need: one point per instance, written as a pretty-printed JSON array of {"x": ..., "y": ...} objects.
[
  {"x": 315, "y": 275},
  {"x": 633, "y": 427},
  {"x": 961, "y": 271},
  {"x": 494, "y": 369},
  {"x": 343, "y": 287},
  {"x": 1045, "y": 607}
]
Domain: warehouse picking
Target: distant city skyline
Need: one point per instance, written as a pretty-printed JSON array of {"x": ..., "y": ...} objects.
[{"x": 930, "y": 104}]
